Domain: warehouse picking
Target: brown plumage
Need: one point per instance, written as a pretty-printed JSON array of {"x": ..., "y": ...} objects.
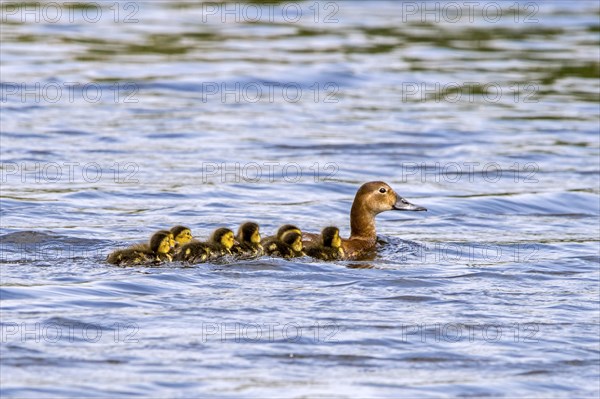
[{"x": 371, "y": 199}]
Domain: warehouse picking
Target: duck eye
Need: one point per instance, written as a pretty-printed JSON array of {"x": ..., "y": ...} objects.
[
  {"x": 404, "y": 201},
  {"x": 382, "y": 190}
]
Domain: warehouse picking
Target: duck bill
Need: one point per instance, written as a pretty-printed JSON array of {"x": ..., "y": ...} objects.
[{"x": 407, "y": 206}]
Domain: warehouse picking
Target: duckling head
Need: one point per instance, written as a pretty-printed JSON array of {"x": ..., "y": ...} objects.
[
  {"x": 285, "y": 228},
  {"x": 293, "y": 239},
  {"x": 377, "y": 197},
  {"x": 249, "y": 232},
  {"x": 223, "y": 236},
  {"x": 331, "y": 237},
  {"x": 182, "y": 234},
  {"x": 160, "y": 242}
]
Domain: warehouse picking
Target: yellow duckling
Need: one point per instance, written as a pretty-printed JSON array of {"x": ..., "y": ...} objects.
[
  {"x": 289, "y": 246},
  {"x": 156, "y": 250},
  {"x": 148, "y": 247},
  {"x": 330, "y": 247},
  {"x": 218, "y": 245},
  {"x": 182, "y": 235},
  {"x": 248, "y": 241},
  {"x": 171, "y": 241},
  {"x": 221, "y": 240}
]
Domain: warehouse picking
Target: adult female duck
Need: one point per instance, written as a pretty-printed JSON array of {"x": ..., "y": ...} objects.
[{"x": 371, "y": 199}]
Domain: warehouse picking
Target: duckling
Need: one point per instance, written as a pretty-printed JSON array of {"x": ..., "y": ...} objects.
[
  {"x": 269, "y": 241},
  {"x": 290, "y": 245},
  {"x": 218, "y": 245},
  {"x": 330, "y": 247},
  {"x": 156, "y": 250},
  {"x": 182, "y": 235},
  {"x": 221, "y": 241},
  {"x": 248, "y": 240},
  {"x": 172, "y": 242},
  {"x": 144, "y": 246}
]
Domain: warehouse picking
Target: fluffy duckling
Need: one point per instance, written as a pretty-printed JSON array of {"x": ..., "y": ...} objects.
[
  {"x": 222, "y": 241},
  {"x": 218, "y": 245},
  {"x": 182, "y": 235},
  {"x": 268, "y": 241},
  {"x": 248, "y": 240},
  {"x": 171, "y": 242},
  {"x": 330, "y": 247},
  {"x": 170, "y": 235},
  {"x": 289, "y": 246},
  {"x": 156, "y": 250},
  {"x": 147, "y": 246}
]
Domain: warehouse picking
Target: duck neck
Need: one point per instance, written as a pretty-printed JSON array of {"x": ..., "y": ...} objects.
[{"x": 362, "y": 223}]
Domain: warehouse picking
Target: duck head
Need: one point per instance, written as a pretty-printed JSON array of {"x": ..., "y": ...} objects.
[
  {"x": 377, "y": 197},
  {"x": 371, "y": 199}
]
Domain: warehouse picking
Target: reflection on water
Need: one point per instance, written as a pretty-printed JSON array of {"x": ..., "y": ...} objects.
[{"x": 119, "y": 119}]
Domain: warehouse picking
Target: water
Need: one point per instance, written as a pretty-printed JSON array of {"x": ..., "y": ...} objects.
[{"x": 136, "y": 126}]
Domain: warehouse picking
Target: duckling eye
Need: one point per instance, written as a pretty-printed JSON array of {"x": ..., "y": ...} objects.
[{"x": 382, "y": 190}]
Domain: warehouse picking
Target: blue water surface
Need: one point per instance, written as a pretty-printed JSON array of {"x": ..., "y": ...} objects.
[{"x": 122, "y": 118}]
